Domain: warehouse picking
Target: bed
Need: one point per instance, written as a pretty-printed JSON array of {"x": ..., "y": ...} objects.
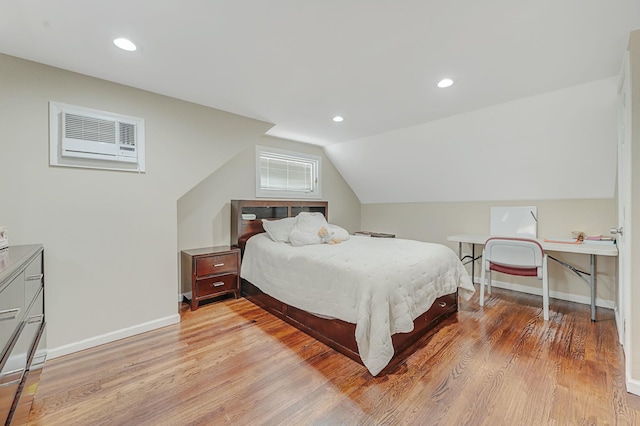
[{"x": 365, "y": 297}]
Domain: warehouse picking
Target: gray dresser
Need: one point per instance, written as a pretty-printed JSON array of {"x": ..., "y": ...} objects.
[{"x": 22, "y": 324}]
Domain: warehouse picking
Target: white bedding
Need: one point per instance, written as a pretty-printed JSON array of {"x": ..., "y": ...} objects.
[{"x": 379, "y": 284}]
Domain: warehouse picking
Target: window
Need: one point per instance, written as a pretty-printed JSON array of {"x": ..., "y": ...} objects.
[{"x": 284, "y": 174}]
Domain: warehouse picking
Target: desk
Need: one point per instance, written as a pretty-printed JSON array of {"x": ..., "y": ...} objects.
[{"x": 592, "y": 249}]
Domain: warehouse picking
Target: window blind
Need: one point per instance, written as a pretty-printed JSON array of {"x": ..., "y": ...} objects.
[{"x": 284, "y": 173}]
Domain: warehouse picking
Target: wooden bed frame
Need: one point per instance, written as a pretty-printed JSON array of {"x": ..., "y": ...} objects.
[{"x": 337, "y": 334}]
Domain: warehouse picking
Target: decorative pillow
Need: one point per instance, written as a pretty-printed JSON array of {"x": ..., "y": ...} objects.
[
  {"x": 279, "y": 230},
  {"x": 305, "y": 231},
  {"x": 338, "y": 232}
]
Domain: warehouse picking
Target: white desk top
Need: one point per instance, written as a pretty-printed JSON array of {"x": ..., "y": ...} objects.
[{"x": 588, "y": 247}]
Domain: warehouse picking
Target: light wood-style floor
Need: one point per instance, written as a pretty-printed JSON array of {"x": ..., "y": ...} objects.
[{"x": 233, "y": 363}]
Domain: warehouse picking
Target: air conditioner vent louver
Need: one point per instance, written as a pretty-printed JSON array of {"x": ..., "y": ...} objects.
[
  {"x": 90, "y": 129},
  {"x": 127, "y": 134}
]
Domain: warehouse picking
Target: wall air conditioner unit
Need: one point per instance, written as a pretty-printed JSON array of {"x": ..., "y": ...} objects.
[
  {"x": 95, "y": 139},
  {"x": 85, "y": 136}
]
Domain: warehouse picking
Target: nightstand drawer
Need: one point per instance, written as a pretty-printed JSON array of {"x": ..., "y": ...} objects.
[
  {"x": 214, "y": 285},
  {"x": 218, "y": 264}
]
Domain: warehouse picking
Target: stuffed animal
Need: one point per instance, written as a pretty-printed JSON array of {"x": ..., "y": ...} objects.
[{"x": 326, "y": 237}]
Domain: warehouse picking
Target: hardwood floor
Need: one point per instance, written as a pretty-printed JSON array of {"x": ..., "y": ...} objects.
[{"x": 232, "y": 363}]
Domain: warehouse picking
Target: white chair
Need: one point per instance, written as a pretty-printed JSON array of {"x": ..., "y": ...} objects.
[{"x": 515, "y": 256}]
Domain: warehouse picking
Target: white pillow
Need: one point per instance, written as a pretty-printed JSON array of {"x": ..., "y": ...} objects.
[
  {"x": 305, "y": 232},
  {"x": 279, "y": 230},
  {"x": 339, "y": 232}
]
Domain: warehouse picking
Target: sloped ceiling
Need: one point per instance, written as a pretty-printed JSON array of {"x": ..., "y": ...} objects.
[
  {"x": 296, "y": 64},
  {"x": 557, "y": 145}
]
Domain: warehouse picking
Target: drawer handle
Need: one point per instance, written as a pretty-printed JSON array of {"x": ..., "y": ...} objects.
[
  {"x": 217, "y": 284},
  {"x": 442, "y": 304},
  {"x": 9, "y": 314},
  {"x": 217, "y": 265},
  {"x": 35, "y": 318},
  {"x": 36, "y": 277}
]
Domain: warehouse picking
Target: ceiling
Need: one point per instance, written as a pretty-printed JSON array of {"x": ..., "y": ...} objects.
[{"x": 296, "y": 64}]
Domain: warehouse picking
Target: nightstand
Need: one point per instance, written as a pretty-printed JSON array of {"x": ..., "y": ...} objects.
[{"x": 211, "y": 272}]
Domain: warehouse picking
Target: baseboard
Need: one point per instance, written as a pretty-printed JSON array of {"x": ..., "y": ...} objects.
[
  {"x": 633, "y": 386},
  {"x": 112, "y": 336},
  {"x": 619, "y": 326},
  {"x": 586, "y": 300}
]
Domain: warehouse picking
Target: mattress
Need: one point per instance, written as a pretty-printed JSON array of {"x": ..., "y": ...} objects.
[{"x": 379, "y": 284}]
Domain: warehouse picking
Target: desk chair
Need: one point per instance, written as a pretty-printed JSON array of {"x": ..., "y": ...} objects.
[{"x": 515, "y": 256}]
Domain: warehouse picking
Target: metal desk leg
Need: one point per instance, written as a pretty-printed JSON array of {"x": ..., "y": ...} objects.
[
  {"x": 593, "y": 286},
  {"x": 473, "y": 263},
  {"x": 466, "y": 259},
  {"x": 591, "y": 282}
]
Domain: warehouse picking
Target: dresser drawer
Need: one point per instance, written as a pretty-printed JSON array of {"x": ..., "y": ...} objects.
[
  {"x": 215, "y": 285},
  {"x": 33, "y": 280},
  {"x": 16, "y": 365},
  {"x": 24, "y": 343},
  {"x": 216, "y": 264},
  {"x": 9, "y": 384},
  {"x": 11, "y": 310}
]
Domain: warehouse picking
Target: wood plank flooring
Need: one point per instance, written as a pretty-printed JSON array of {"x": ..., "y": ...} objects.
[{"x": 232, "y": 363}]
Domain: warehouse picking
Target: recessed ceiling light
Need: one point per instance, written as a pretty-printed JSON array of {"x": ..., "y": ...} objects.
[
  {"x": 125, "y": 44},
  {"x": 338, "y": 119},
  {"x": 445, "y": 82}
]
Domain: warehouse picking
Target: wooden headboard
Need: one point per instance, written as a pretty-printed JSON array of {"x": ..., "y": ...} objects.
[{"x": 243, "y": 229}]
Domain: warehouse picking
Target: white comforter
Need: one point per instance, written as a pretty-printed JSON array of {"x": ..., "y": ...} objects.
[{"x": 379, "y": 284}]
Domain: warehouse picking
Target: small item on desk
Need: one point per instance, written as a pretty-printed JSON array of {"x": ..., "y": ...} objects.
[
  {"x": 564, "y": 241},
  {"x": 578, "y": 235},
  {"x": 604, "y": 241}
]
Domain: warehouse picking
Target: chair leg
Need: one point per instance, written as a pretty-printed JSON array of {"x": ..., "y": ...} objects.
[
  {"x": 489, "y": 282},
  {"x": 482, "y": 275},
  {"x": 545, "y": 289}
]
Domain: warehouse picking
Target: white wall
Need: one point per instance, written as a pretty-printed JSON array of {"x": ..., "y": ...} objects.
[
  {"x": 633, "y": 225},
  {"x": 204, "y": 212},
  {"x": 558, "y": 145},
  {"x": 110, "y": 238},
  {"x": 556, "y": 219}
]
